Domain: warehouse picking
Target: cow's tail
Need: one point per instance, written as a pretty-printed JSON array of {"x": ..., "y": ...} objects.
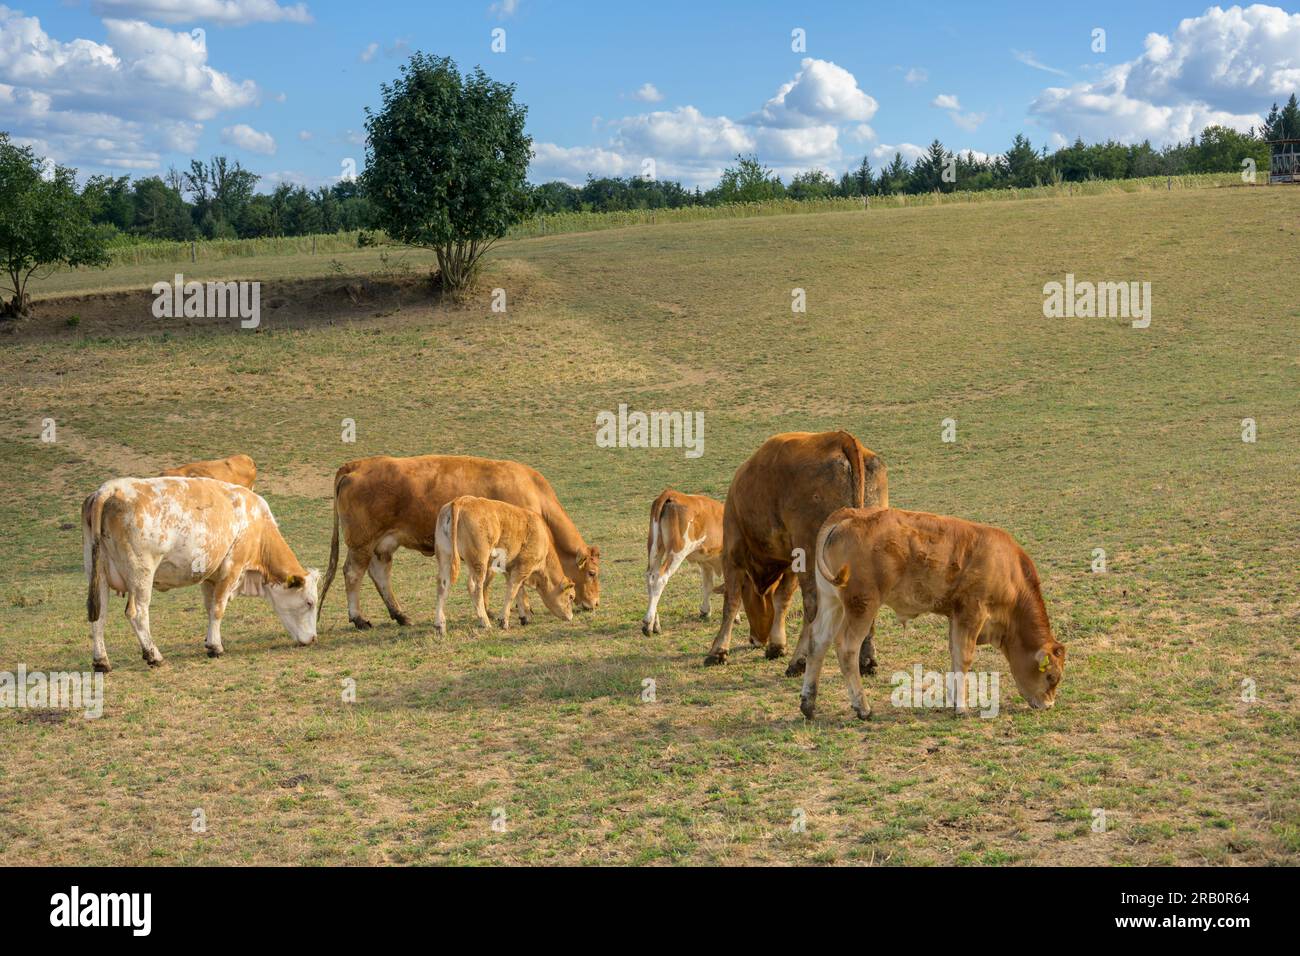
[
  {"x": 656, "y": 509},
  {"x": 863, "y": 462},
  {"x": 838, "y": 578},
  {"x": 334, "y": 550},
  {"x": 95, "y": 520},
  {"x": 453, "y": 523}
]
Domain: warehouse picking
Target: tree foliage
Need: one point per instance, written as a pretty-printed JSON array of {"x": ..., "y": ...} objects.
[
  {"x": 44, "y": 222},
  {"x": 447, "y": 162}
]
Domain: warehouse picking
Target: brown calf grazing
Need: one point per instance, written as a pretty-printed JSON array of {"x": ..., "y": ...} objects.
[
  {"x": 384, "y": 503},
  {"x": 777, "y": 502},
  {"x": 493, "y": 535},
  {"x": 237, "y": 469},
  {"x": 975, "y": 575},
  {"x": 682, "y": 528},
  {"x": 142, "y": 535}
]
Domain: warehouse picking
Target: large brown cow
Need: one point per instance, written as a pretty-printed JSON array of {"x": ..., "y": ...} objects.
[
  {"x": 153, "y": 534},
  {"x": 237, "y": 469},
  {"x": 975, "y": 575},
  {"x": 777, "y": 502},
  {"x": 385, "y": 503}
]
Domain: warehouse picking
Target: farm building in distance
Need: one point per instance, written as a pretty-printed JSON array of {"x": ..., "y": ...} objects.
[{"x": 1285, "y": 164}]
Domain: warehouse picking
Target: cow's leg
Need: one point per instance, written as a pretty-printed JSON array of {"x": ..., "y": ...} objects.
[
  {"x": 137, "y": 612},
  {"x": 825, "y": 632},
  {"x": 381, "y": 572},
  {"x": 963, "y": 632},
  {"x": 808, "y": 586},
  {"x": 444, "y": 585},
  {"x": 478, "y": 577},
  {"x": 354, "y": 569},
  {"x": 731, "y": 576},
  {"x": 781, "y": 601},
  {"x": 656, "y": 581},
  {"x": 521, "y": 606},
  {"x": 216, "y": 607},
  {"x": 848, "y": 649},
  {"x": 514, "y": 586},
  {"x": 706, "y": 592},
  {"x": 99, "y": 650}
]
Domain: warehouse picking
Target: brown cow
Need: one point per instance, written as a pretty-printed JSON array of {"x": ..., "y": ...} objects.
[
  {"x": 493, "y": 535},
  {"x": 237, "y": 469},
  {"x": 388, "y": 503},
  {"x": 916, "y": 563},
  {"x": 777, "y": 502}
]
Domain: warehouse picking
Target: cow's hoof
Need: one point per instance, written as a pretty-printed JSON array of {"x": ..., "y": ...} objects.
[
  {"x": 440, "y": 630},
  {"x": 863, "y": 712},
  {"x": 360, "y": 623},
  {"x": 645, "y": 629},
  {"x": 215, "y": 651},
  {"x": 153, "y": 661},
  {"x": 867, "y": 668},
  {"x": 657, "y": 629},
  {"x": 714, "y": 659},
  {"x": 808, "y": 707},
  {"x": 102, "y": 667},
  {"x": 774, "y": 651},
  {"x": 523, "y": 621},
  {"x": 401, "y": 619},
  {"x": 797, "y": 667},
  {"x": 704, "y": 615}
]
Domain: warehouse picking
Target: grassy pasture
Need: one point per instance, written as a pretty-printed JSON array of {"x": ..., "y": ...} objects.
[{"x": 1073, "y": 434}]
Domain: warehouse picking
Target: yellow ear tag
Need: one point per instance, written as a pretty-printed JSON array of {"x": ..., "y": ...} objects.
[{"x": 1042, "y": 665}]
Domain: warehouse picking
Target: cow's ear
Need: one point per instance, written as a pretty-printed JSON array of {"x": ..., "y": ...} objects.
[
  {"x": 582, "y": 562},
  {"x": 594, "y": 551},
  {"x": 295, "y": 581},
  {"x": 1043, "y": 658},
  {"x": 1059, "y": 651}
]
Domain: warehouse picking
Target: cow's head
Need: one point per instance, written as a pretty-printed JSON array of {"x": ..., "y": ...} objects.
[
  {"x": 557, "y": 595},
  {"x": 586, "y": 585},
  {"x": 294, "y": 600},
  {"x": 1038, "y": 673}
]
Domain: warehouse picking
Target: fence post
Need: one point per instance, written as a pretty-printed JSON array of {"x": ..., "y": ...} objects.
[
  {"x": 1169, "y": 184},
  {"x": 313, "y": 245},
  {"x": 193, "y": 251}
]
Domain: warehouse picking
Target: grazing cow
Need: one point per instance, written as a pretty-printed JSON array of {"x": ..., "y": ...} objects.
[
  {"x": 385, "y": 503},
  {"x": 777, "y": 502},
  {"x": 916, "y": 563},
  {"x": 682, "y": 528},
  {"x": 494, "y": 535},
  {"x": 147, "y": 534},
  {"x": 237, "y": 469}
]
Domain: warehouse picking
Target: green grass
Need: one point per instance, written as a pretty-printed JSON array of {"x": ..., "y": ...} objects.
[{"x": 1072, "y": 434}]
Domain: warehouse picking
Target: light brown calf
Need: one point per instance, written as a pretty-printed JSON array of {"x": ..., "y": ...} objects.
[
  {"x": 917, "y": 563},
  {"x": 237, "y": 469},
  {"x": 682, "y": 528},
  {"x": 496, "y": 536}
]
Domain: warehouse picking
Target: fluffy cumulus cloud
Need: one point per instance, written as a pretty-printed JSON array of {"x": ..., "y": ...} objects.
[
  {"x": 232, "y": 13},
  {"x": 796, "y": 129},
  {"x": 648, "y": 93},
  {"x": 245, "y": 137},
  {"x": 118, "y": 104},
  {"x": 1224, "y": 67}
]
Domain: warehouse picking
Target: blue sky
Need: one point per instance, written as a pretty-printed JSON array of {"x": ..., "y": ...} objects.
[{"x": 122, "y": 86}]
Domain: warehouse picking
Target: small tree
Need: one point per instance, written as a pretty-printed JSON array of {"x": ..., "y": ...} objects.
[
  {"x": 44, "y": 223},
  {"x": 447, "y": 163}
]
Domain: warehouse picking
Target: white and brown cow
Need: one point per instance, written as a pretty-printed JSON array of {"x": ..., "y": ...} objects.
[
  {"x": 494, "y": 535},
  {"x": 142, "y": 534},
  {"x": 682, "y": 528}
]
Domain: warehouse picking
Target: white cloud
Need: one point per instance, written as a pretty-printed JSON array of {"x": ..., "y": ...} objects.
[
  {"x": 820, "y": 93},
  {"x": 504, "y": 9},
  {"x": 304, "y": 135},
  {"x": 1028, "y": 59},
  {"x": 121, "y": 103},
  {"x": 224, "y": 12},
  {"x": 647, "y": 93},
  {"x": 796, "y": 130},
  {"x": 368, "y": 54},
  {"x": 245, "y": 137},
  {"x": 1223, "y": 67},
  {"x": 915, "y": 76},
  {"x": 910, "y": 152},
  {"x": 949, "y": 102}
]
